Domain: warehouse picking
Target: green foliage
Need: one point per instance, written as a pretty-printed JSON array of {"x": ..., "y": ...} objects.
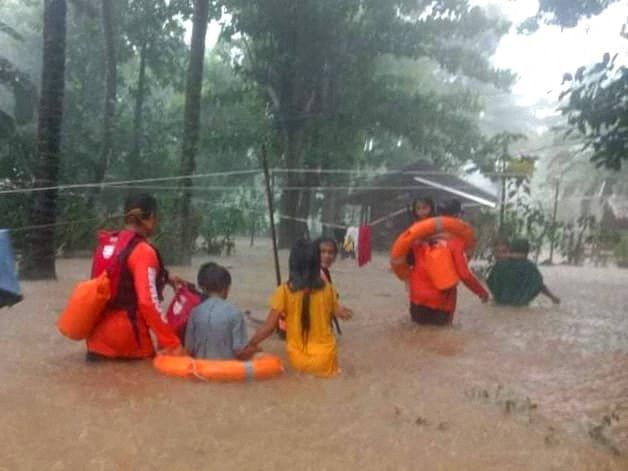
[
  {"x": 621, "y": 252},
  {"x": 318, "y": 67},
  {"x": 156, "y": 27},
  {"x": 597, "y": 109},
  {"x": 531, "y": 221},
  {"x": 575, "y": 236},
  {"x": 168, "y": 232},
  {"x": 80, "y": 223},
  {"x": 316, "y": 81},
  {"x": 22, "y": 87},
  {"x": 597, "y": 98},
  {"x": 219, "y": 229},
  {"x": 18, "y": 153},
  {"x": 496, "y": 153},
  {"x": 323, "y": 59},
  {"x": 566, "y": 13}
]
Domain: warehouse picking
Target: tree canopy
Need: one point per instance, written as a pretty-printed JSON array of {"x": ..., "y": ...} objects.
[{"x": 595, "y": 102}]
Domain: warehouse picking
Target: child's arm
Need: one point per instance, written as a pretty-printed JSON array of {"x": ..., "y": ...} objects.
[
  {"x": 545, "y": 290},
  {"x": 241, "y": 350},
  {"x": 343, "y": 312},
  {"x": 188, "y": 341},
  {"x": 265, "y": 330}
]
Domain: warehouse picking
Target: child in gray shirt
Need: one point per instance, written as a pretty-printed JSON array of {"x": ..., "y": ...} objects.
[{"x": 216, "y": 328}]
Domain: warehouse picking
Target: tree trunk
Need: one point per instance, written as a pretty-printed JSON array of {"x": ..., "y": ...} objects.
[
  {"x": 39, "y": 255},
  {"x": 111, "y": 71},
  {"x": 135, "y": 160},
  {"x": 330, "y": 213},
  {"x": 191, "y": 125},
  {"x": 310, "y": 181},
  {"x": 290, "y": 229}
]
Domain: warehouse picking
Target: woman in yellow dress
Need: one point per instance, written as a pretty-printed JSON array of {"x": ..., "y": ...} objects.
[{"x": 307, "y": 304}]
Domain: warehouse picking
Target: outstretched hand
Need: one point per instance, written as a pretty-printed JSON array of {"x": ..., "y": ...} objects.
[
  {"x": 176, "y": 281},
  {"x": 247, "y": 352},
  {"x": 177, "y": 351},
  {"x": 344, "y": 313}
]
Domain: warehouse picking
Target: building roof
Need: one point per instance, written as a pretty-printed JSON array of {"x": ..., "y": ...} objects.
[{"x": 421, "y": 178}]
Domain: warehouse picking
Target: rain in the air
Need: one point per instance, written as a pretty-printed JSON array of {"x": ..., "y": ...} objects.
[{"x": 314, "y": 235}]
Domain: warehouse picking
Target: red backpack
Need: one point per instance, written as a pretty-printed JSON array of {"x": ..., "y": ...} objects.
[
  {"x": 111, "y": 255},
  {"x": 185, "y": 300},
  {"x": 111, "y": 252}
]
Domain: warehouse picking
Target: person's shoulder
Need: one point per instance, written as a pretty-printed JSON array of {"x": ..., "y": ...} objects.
[
  {"x": 145, "y": 248},
  {"x": 532, "y": 265},
  {"x": 201, "y": 308},
  {"x": 143, "y": 253},
  {"x": 227, "y": 308},
  {"x": 282, "y": 289},
  {"x": 326, "y": 289},
  {"x": 456, "y": 243}
]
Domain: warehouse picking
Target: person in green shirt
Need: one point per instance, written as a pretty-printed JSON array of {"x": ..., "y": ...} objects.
[{"x": 515, "y": 280}]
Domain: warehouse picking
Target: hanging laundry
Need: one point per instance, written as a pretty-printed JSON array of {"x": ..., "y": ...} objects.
[
  {"x": 351, "y": 243},
  {"x": 364, "y": 242},
  {"x": 9, "y": 287}
]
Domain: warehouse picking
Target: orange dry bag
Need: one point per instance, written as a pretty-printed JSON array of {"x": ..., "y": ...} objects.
[
  {"x": 440, "y": 267},
  {"x": 90, "y": 298},
  {"x": 86, "y": 304}
]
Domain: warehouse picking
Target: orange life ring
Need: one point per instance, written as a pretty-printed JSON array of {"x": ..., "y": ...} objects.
[
  {"x": 423, "y": 230},
  {"x": 262, "y": 367}
]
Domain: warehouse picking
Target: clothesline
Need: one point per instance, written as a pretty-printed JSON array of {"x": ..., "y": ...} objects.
[
  {"x": 273, "y": 171},
  {"x": 126, "y": 182}
]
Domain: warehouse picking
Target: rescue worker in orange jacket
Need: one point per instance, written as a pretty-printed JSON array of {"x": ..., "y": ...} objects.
[
  {"x": 429, "y": 305},
  {"x": 123, "y": 330}
]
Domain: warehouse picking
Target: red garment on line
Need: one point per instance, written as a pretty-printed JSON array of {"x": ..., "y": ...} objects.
[{"x": 364, "y": 245}]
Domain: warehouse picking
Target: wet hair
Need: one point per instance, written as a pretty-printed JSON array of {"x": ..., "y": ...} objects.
[
  {"x": 452, "y": 207},
  {"x": 139, "y": 207},
  {"x": 213, "y": 278},
  {"x": 520, "y": 246},
  {"x": 426, "y": 201},
  {"x": 305, "y": 275},
  {"x": 327, "y": 240}
]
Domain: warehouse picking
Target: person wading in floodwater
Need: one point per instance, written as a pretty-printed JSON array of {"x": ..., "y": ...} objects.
[
  {"x": 429, "y": 305},
  {"x": 123, "y": 330}
]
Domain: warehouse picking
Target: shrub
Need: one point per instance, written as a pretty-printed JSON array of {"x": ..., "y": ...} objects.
[{"x": 621, "y": 252}]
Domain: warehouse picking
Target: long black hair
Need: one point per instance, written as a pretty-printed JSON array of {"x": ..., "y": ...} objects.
[
  {"x": 426, "y": 201},
  {"x": 305, "y": 275},
  {"x": 139, "y": 207}
]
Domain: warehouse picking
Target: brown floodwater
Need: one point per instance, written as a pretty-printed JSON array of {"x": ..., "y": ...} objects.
[{"x": 543, "y": 388}]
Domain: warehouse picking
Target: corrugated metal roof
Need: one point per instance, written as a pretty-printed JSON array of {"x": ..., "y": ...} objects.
[{"x": 429, "y": 176}]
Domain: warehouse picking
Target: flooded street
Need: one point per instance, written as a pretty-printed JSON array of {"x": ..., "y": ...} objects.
[{"x": 543, "y": 388}]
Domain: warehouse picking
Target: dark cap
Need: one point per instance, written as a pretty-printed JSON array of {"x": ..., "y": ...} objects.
[{"x": 451, "y": 207}]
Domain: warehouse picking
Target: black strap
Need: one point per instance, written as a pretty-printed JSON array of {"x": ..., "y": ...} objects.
[{"x": 127, "y": 296}]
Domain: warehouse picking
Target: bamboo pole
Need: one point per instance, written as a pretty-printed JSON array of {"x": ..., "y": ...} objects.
[
  {"x": 554, "y": 215},
  {"x": 271, "y": 213}
]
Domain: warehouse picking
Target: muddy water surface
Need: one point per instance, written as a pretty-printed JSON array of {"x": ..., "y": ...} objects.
[{"x": 537, "y": 389}]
